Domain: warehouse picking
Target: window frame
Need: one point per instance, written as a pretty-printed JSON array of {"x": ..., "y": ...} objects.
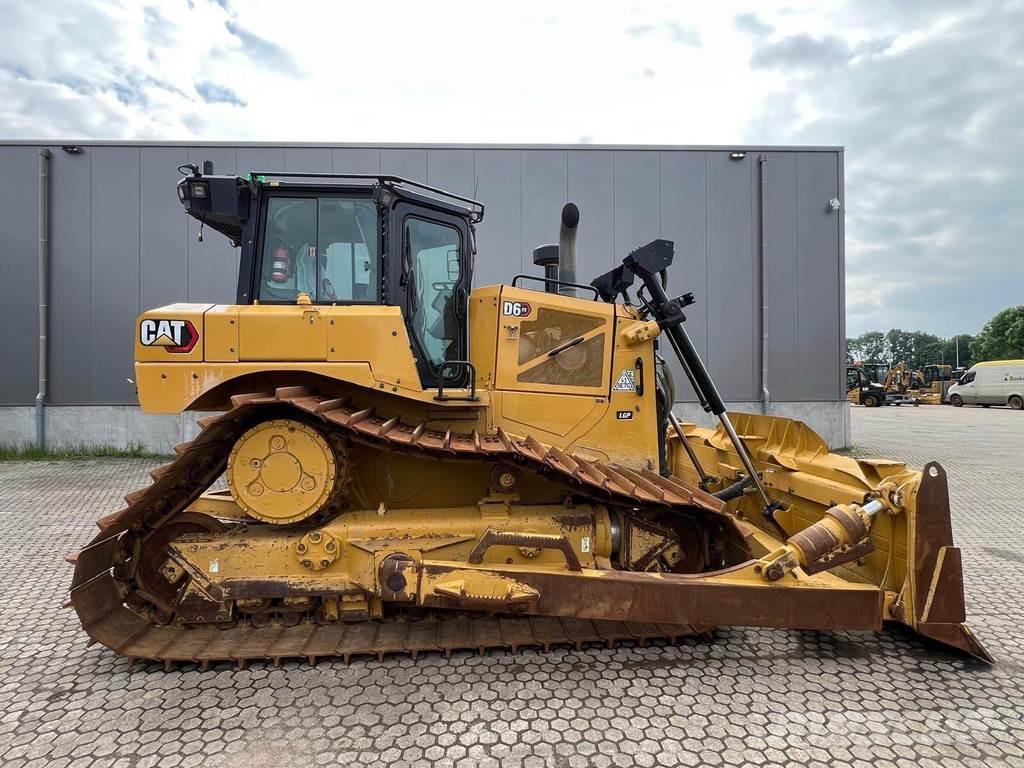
[
  {"x": 398, "y": 294},
  {"x": 256, "y": 285}
]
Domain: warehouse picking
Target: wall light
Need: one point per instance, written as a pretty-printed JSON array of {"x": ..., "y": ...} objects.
[
  {"x": 737, "y": 155},
  {"x": 72, "y": 149}
]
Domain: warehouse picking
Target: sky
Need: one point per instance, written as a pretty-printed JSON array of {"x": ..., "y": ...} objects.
[{"x": 927, "y": 97}]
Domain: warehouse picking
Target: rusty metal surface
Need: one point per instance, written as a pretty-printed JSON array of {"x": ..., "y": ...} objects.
[
  {"x": 667, "y": 598},
  {"x": 97, "y": 590}
]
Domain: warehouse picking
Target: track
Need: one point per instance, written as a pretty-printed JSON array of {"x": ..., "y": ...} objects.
[{"x": 105, "y": 577}]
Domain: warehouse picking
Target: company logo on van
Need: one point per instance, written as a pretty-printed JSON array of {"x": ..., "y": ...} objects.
[
  {"x": 1011, "y": 377},
  {"x": 178, "y": 336}
]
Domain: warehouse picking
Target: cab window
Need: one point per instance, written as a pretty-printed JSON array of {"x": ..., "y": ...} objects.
[
  {"x": 325, "y": 247},
  {"x": 432, "y": 273},
  {"x": 968, "y": 377}
]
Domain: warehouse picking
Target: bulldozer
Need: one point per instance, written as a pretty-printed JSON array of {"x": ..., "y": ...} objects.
[{"x": 396, "y": 462}]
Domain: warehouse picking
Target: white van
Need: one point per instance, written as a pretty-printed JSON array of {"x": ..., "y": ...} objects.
[{"x": 997, "y": 382}]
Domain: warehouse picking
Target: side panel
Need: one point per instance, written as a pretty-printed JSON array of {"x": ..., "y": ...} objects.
[
  {"x": 550, "y": 343},
  {"x": 684, "y": 220},
  {"x": 782, "y": 278},
  {"x": 451, "y": 169},
  {"x": 18, "y": 241},
  {"x": 637, "y": 200},
  {"x": 272, "y": 332},
  {"x": 731, "y": 329},
  {"x": 410, "y": 163},
  {"x": 591, "y": 187},
  {"x": 356, "y": 160},
  {"x": 544, "y": 194},
  {"x": 115, "y": 279},
  {"x": 820, "y": 346},
  {"x": 483, "y": 333},
  {"x": 171, "y": 334},
  {"x": 163, "y": 231},
  {"x": 499, "y": 237},
  {"x": 220, "y": 334},
  {"x": 70, "y": 277}
]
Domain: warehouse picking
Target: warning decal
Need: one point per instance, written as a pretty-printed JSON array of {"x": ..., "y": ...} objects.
[{"x": 626, "y": 381}]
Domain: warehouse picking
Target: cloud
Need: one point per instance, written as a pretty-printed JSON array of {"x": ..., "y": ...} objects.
[
  {"x": 212, "y": 93},
  {"x": 262, "y": 51},
  {"x": 670, "y": 29},
  {"x": 802, "y": 52},
  {"x": 751, "y": 24},
  {"x": 929, "y": 108}
]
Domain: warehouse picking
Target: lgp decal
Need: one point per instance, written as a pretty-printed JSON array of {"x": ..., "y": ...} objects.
[
  {"x": 515, "y": 308},
  {"x": 624, "y": 415},
  {"x": 178, "y": 336}
]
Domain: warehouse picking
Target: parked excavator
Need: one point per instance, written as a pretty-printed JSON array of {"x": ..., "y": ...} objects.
[
  {"x": 409, "y": 465},
  {"x": 876, "y": 384}
]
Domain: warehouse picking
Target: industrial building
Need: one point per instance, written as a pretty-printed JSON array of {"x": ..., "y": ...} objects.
[{"x": 758, "y": 234}]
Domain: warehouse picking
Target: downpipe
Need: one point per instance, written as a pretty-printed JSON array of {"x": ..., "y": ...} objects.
[
  {"x": 766, "y": 395},
  {"x": 44, "y": 291}
]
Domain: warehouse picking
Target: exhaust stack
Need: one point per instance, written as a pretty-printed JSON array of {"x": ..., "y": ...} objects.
[{"x": 567, "y": 248}]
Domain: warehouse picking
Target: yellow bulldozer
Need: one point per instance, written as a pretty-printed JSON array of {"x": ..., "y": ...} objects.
[{"x": 397, "y": 463}]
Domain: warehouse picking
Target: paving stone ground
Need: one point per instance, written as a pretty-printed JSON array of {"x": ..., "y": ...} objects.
[{"x": 749, "y": 697}]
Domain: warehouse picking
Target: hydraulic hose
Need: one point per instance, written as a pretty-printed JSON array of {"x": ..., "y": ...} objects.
[{"x": 733, "y": 491}]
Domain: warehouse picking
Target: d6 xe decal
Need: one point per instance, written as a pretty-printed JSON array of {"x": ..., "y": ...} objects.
[
  {"x": 515, "y": 308},
  {"x": 173, "y": 335}
]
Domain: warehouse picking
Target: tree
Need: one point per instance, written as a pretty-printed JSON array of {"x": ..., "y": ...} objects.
[
  {"x": 915, "y": 348},
  {"x": 1002, "y": 338},
  {"x": 899, "y": 347},
  {"x": 867, "y": 346}
]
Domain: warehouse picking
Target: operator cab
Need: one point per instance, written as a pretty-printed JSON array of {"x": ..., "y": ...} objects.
[{"x": 351, "y": 239}]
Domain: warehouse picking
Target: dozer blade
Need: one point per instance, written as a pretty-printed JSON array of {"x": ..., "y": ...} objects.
[{"x": 910, "y": 561}]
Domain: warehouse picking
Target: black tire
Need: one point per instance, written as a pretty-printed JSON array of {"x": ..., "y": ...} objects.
[
  {"x": 870, "y": 401},
  {"x": 956, "y": 401},
  {"x": 1016, "y": 402}
]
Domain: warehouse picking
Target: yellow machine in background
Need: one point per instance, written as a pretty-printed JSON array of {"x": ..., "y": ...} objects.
[
  {"x": 933, "y": 383},
  {"x": 411, "y": 465}
]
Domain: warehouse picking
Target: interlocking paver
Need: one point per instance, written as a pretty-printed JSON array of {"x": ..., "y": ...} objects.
[{"x": 750, "y": 696}]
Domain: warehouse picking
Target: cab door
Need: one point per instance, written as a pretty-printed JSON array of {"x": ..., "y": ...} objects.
[{"x": 430, "y": 275}]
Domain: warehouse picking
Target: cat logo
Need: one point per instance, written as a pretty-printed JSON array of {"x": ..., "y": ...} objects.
[
  {"x": 178, "y": 336},
  {"x": 515, "y": 308}
]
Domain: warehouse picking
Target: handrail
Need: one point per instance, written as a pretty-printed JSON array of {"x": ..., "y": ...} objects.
[
  {"x": 552, "y": 280},
  {"x": 476, "y": 207},
  {"x": 456, "y": 364}
]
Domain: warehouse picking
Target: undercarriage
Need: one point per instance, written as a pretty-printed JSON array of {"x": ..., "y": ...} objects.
[{"x": 531, "y": 547}]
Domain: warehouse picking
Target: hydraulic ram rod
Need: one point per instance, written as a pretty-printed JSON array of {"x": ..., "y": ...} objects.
[{"x": 646, "y": 263}]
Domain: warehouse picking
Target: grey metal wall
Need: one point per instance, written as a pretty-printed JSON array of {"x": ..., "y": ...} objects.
[{"x": 121, "y": 243}]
